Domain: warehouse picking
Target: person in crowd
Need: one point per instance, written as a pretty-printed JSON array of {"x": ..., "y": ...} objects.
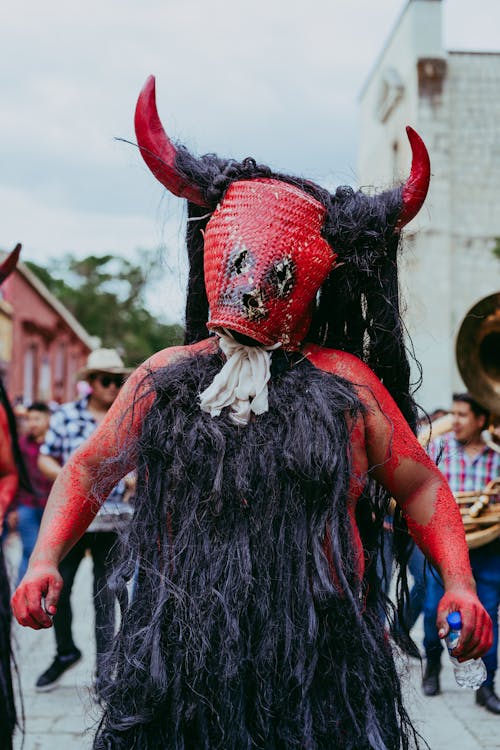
[
  {"x": 266, "y": 455},
  {"x": 468, "y": 465},
  {"x": 70, "y": 426},
  {"x": 31, "y": 503}
]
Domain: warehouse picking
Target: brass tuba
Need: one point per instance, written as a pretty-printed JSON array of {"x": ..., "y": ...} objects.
[{"x": 478, "y": 360}]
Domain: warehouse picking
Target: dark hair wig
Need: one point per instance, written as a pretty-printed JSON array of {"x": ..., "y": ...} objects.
[
  {"x": 24, "y": 479},
  {"x": 358, "y": 307},
  {"x": 249, "y": 626},
  {"x": 7, "y": 704}
]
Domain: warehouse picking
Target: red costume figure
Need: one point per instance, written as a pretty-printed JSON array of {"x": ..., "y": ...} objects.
[
  {"x": 8, "y": 470},
  {"x": 266, "y": 457},
  {"x": 12, "y": 470}
]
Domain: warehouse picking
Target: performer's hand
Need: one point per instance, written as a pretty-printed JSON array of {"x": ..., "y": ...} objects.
[
  {"x": 477, "y": 630},
  {"x": 35, "y": 600}
]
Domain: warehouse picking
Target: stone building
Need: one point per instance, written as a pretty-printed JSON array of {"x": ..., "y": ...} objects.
[{"x": 452, "y": 99}]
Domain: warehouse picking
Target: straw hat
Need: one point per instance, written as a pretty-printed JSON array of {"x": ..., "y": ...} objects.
[{"x": 103, "y": 360}]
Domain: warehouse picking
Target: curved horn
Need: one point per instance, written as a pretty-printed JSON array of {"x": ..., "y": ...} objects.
[
  {"x": 157, "y": 149},
  {"x": 10, "y": 263},
  {"x": 416, "y": 187}
]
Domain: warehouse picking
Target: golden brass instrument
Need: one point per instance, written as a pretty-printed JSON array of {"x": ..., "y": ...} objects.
[
  {"x": 478, "y": 359},
  {"x": 481, "y": 514},
  {"x": 478, "y": 352}
]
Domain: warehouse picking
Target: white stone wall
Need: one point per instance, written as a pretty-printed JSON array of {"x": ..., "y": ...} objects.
[{"x": 448, "y": 262}]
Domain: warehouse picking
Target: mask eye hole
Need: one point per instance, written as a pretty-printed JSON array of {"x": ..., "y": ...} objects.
[
  {"x": 240, "y": 261},
  {"x": 283, "y": 276}
]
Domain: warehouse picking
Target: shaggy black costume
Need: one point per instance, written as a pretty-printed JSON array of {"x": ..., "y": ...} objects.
[
  {"x": 358, "y": 308},
  {"x": 242, "y": 634},
  {"x": 7, "y": 705},
  {"x": 238, "y": 636}
]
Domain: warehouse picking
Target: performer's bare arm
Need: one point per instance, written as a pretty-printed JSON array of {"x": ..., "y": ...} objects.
[
  {"x": 399, "y": 463},
  {"x": 394, "y": 456},
  {"x": 72, "y": 505}
]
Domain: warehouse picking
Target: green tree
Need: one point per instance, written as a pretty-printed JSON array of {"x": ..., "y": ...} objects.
[
  {"x": 106, "y": 294},
  {"x": 496, "y": 247}
]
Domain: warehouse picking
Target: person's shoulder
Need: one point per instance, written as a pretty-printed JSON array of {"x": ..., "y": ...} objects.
[
  {"x": 173, "y": 353},
  {"x": 341, "y": 363},
  {"x": 66, "y": 414},
  {"x": 69, "y": 408},
  {"x": 443, "y": 443},
  {"x": 446, "y": 439},
  {"x": 24, "y": 441},
  {"x": 494, "y": 455}
]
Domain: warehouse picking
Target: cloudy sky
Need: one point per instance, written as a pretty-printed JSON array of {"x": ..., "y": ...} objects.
[{"x": 276, "y": 79}]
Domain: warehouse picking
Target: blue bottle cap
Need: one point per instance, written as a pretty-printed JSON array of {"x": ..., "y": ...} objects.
[{"x": 454, "y": 620}]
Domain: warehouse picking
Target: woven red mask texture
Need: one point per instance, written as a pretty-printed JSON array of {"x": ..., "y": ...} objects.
[{"x": 265, "y": 260}]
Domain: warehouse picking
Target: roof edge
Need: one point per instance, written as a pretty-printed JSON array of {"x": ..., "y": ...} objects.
[
  {"x": 62, "y": 311},
  {"x": 384, "y": 47}
]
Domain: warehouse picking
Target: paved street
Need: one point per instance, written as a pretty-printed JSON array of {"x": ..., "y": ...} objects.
[{"x": 64, "y": 718}]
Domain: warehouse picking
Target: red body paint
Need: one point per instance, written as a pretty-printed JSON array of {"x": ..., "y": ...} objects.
[
  {"x": 8, "y": 471},
  {"x": 401, "y": 465},
  {"x": 382, "y": 444}
]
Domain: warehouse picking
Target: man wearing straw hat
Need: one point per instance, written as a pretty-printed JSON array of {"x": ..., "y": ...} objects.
[{"x": 69, "y": 427}]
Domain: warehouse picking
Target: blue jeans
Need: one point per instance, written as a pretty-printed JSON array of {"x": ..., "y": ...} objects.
[
  {"x": 486, "y": 571},
  {"x": 416, "y": 566},
  {"x": 28, "y": 524}
]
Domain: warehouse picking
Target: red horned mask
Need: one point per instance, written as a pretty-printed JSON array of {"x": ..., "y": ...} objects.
[
  {"x": 265, "y": 260},
  {"x": 265, "y": 257}
]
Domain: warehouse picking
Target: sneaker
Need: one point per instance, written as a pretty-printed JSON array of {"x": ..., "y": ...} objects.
[
  {"x": 487, "y": 697},
  {"x": 59, "y": 666},
  {"x": 430, "y": 681}
]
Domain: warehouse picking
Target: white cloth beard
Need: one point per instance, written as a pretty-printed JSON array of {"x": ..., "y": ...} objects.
[{"x": 242, "y": 382}]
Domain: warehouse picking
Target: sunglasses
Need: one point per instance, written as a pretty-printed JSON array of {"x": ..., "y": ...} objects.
[{"x": 107, "y": 380}]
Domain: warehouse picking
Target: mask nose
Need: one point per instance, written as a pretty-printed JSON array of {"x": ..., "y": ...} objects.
[{"x": 253, "y": 304}]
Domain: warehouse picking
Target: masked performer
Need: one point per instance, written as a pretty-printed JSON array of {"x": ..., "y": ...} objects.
[
  {"x": 12, "y": 471},
  {"x": 266, "y": 455}
]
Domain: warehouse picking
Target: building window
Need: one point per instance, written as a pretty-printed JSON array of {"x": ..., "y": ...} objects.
[
  {"x": 30, "y": 368},
  {"x": 60, "y": 369},
  {"x": 44, "y": 384},
  {"x": 390, "y": 92}
]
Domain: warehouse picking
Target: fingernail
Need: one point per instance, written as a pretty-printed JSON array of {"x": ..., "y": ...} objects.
[{"x": 441, "y": 633}]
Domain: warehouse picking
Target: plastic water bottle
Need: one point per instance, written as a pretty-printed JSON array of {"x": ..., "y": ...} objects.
[{"x": 470, "y": 673}]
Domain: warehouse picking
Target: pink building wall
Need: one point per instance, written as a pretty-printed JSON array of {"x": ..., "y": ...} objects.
[{"x": 46, "y": 350}]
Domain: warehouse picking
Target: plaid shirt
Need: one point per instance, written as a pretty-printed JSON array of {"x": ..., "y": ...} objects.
[
  {"x": 69, "y": 427},
  {"x": 463, "y": 472}
]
